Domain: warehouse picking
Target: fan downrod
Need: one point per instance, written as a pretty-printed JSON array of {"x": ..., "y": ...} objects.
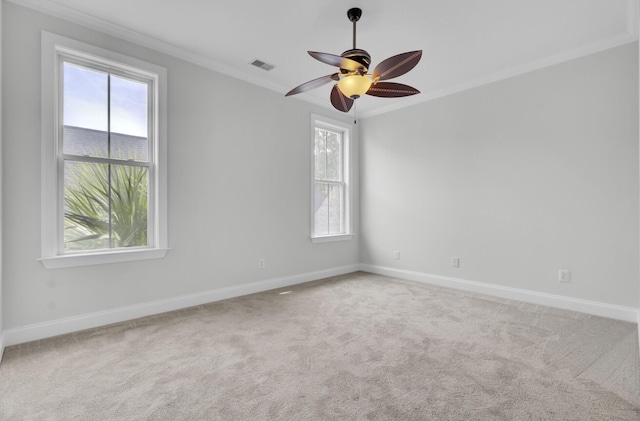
[{"x": 354, "y": 15}]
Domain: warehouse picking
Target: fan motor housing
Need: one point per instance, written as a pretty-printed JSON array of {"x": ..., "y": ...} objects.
[{"x": 358, "y": 55}]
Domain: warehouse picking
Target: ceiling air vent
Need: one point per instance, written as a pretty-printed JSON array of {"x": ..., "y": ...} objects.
[{"x": 261, "y": 64}]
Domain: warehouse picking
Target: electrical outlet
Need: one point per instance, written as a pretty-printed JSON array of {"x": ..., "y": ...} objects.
[
  {"x": 396, "y": 255},
  {"x": 262, "y": 263},
  {"x": 455, "y": 262},
  {"x": 564, "y": 275}
]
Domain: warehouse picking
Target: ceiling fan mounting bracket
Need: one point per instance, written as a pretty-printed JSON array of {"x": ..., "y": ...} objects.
[{"x": 354, "y": 14}]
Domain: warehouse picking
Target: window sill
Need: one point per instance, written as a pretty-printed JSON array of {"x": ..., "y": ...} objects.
[
  {"x": 328, "y": 238},
  {"x": 90, "y": 259}
]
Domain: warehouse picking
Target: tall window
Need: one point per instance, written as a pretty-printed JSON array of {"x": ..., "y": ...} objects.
[
  {"x": 104, "y": 127},
  {"x": 330, "y": 187},
  {"x": 103, "y": 181}
]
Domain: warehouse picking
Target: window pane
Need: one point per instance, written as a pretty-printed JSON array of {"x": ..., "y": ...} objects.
[
  {"x": 334, "y": 156},
  {"x": 335, "y": 209},
  {"x": 328, "y": 155},
  {"x": 85, "y": 102},
  {"x": 129, "y": 119},
  {"x": 328, "y": 209},
  {"x": 86, "y": 210},
  {"x": 129, "y": 200},
  {"x": 320, "y": 154}
]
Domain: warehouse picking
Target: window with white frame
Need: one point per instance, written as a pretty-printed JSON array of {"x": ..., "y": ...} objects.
[
  {"x": 331, "y": 219},
  {"x": 104, "y": 182}
]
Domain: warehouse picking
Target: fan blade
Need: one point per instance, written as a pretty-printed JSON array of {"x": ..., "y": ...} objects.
[
  {"x": 334, "y": 60},
  {"x": 397, "y": 65},
  {"x": 339, "y": 101},
  {"x": 391, "y": 90},
  {"x": 312, "y": 84}
]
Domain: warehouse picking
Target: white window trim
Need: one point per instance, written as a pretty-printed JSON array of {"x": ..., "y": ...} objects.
[
  {"x": 347, "y": 133},
  {"x": 52, "y": 45}
]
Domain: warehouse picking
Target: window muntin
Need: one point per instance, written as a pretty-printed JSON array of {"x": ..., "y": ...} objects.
[
  {"x": 101, "y": 138},
  {"x": 330, "y": 205}
]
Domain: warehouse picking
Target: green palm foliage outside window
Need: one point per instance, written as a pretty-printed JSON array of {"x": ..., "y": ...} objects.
[{"x": 105, "y": 206}]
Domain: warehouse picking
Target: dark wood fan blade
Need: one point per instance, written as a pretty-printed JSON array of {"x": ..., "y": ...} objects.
[
  {"x": 339, "y": 101},
  {"x": 312, "y": 84},
  {"x": 397, "y": 65},
  {"x": 391, "y": 90},
  {"x": 334, "y": 60}
]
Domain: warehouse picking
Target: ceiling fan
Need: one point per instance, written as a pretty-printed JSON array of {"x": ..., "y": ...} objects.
[{"x": 353, "y": 81}]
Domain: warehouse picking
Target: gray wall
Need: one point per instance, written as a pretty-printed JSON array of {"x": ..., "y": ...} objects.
[
  {"x": 238, "y": 188},
  {"x": 1, "y": 171},
  {"x": 518, "y": 178}
]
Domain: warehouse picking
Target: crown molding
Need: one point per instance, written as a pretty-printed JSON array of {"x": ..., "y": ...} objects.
[
  {"x": 597, "y": 47},
  {"x": 56, "y": 10}
]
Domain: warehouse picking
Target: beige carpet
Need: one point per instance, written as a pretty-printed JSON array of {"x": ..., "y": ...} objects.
[{"x": 358, "y": 346}]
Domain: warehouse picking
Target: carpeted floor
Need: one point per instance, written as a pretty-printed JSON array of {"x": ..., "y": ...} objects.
[{"x": 358, "y": 346}]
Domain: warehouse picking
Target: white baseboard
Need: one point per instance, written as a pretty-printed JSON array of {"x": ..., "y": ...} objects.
[
  {"x": 102, "y": 318},
  {"x": 2, "y": 334},
  {"x": 628, "y": 314},
  {"x": 43, "y": 330}
]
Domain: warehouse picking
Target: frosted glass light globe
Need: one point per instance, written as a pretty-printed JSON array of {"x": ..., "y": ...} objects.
[{"x": 354, "y": 86}]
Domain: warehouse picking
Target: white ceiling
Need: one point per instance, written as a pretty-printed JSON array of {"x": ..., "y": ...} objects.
[{"x": 465, "y": 43}]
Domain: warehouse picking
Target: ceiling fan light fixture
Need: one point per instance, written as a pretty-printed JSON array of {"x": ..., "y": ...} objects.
[
  {"x": 354, "y": 86},
  {"x": 353, "y": 79}
]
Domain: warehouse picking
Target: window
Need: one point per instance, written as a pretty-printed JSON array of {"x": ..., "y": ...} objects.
[
  {"x": 330, "y": 217},
  {"x": 104, "y": 181}
]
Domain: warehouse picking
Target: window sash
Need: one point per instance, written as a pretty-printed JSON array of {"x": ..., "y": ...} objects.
[
  {"x": 112, "y": 198},
  {"x": 102, "y": 65},
  {"x": 339, "y": 175},
  {"x": 330, "y": 218}
]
